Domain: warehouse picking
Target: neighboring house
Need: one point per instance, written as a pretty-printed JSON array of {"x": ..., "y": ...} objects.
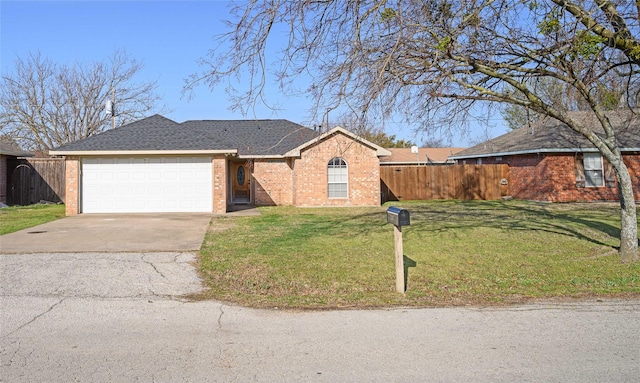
[
  {"x": 8, "y": 155},
  {"x": 158, "y": 165},
  {"x": 425, "y": 156},
  {"x": 550, "y": 162}
]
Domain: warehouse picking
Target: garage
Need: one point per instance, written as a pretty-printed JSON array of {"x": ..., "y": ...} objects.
[{"x": 146, "y": 184}]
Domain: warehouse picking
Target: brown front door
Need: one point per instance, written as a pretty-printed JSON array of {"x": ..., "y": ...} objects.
[{"x": 241, "y": 184}]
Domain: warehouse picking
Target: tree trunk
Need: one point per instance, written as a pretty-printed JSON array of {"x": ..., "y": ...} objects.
[{"x": 628, "y": 218}]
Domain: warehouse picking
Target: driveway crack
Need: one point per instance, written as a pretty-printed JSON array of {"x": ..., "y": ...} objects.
[
  {"x": 36, "y": 317},
  {"x": 153, "y": 265},
  {"x": 220, "y": 319}
]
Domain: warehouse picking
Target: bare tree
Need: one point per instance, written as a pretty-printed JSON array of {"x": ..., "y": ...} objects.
[
  {"x": 433, "y": 143},
  {"x": 609, "y": 93},
  {"x": 371, "y": 132},
  {"x": 434, "y": 59},
  {"x": 44, "y": 105}
]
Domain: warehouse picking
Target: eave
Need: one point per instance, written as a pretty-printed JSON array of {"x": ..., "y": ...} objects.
[
  {"x": 535, "y": 151},
  {"x": 85, "y": 153},
  {"x": 402, "y": 163}
]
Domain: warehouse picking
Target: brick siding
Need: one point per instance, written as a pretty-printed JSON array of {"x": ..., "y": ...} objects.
[
  {"x": 273, "y": 182},
  {"x": 310, "y": 173},
  {"x": 633, "y": 165},
  {"x": 551, "y": 177},
  {"x": 72, "y": 185},
  {"x": 219, "y": 168},
  {"x": 303, "y": 181}
]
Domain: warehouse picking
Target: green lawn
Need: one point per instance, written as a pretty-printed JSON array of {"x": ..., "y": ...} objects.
[
  {"x": 459, "y": 252},
  {"x": 16, "y": 218}
]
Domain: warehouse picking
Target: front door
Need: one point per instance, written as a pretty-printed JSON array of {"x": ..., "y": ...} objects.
[{"x": 241, "y": 183}]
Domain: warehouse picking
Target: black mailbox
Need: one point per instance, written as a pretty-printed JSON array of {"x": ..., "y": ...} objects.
[{"x": 397, "y": 216}]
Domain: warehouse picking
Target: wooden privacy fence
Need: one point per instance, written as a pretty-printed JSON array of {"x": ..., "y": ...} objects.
[
  {"x": 33, "y": 180},
  {"x": 466, "y": 182}
]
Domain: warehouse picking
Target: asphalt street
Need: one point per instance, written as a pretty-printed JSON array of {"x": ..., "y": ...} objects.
[{"x": 120, "y": 317}]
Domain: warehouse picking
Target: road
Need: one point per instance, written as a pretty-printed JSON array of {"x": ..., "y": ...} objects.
[{"x": 100, "y": 317}]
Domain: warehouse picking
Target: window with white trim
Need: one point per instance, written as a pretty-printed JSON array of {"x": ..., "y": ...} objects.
[
  {"x": 338, "y": 176},
  {"x": 593, "y": 170}
]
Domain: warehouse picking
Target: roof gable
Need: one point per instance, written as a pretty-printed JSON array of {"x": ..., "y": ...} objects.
[
  {"x": 295, "y": 152},
  {"x": 552, "y": 136}
]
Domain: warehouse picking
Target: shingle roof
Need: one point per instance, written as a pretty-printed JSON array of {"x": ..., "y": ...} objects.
[
  {"x": 157, "y": 133},
  {"x": 8, "y": 149},
  {"x": 550, "y": 135},
  {"x": 253, "y": 137},
  {"x": 432, "y": 155}
]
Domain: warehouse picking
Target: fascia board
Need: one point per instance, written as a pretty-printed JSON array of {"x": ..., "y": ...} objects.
[
  {"x": 249, "y": 156},
  {"x": 414, "y": 162},
  {"x": 85, "y": 153},
  {"x": 535, "y": 151}
]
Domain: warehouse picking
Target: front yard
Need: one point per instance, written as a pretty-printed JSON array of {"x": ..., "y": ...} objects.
[
  {"x": 16, "y": 218},
  {"x": 458, "y": 253}
]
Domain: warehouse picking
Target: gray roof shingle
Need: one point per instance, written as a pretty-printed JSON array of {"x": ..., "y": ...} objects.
[
  {"x": 253, "y": 137},
  {"x": 248, "y": 137},
  {"x": 550, "y": 135},
  {"x": 9, "y": 149}
]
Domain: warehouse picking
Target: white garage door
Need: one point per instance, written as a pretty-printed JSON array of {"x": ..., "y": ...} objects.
[{"x": 147, "y": 185}]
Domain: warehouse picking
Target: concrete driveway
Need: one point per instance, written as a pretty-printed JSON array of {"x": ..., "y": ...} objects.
[{"x": 111, "y": 233}]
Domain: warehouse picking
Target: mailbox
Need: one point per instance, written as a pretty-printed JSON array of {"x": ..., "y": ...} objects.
[{"x": 397, "y": 216}]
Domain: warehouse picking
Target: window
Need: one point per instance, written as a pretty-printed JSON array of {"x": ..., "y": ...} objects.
[
  {"x": 337, "y": 176},
  {"x": 593, "y": 172}
]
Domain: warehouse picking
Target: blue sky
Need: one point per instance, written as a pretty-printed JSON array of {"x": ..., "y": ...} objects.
[{"x": 167, "y": 36}]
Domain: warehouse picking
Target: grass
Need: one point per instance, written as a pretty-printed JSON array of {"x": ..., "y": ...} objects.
[
  {"x": 16, "y": 218},
  {"x": 457, "y": 253}
]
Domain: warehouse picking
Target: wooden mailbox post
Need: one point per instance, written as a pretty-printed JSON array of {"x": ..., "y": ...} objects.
[{"x": 398, "y": 217}]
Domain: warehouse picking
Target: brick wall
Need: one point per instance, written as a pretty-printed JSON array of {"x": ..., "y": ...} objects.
[
  {"x": 273, "y": 182},
  {"x": 219, "y": 166},
  {"x": 310, "y": 173},
  {"x": 552, "y": 177},
  {"x": 72, "y": 185},
  {"x": 633, "y": 165}
]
